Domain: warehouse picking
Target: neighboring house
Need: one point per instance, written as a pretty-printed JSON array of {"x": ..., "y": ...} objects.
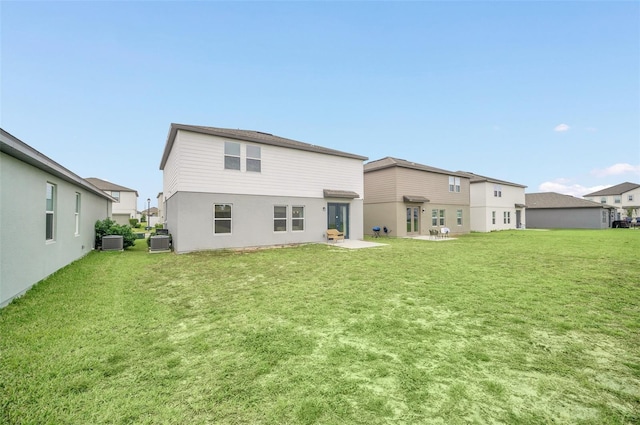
[
  {"x": 623, "y": 196},
  {"x": 151, "y": 215},
  {"x": 226, "y": 188},
  {"x": 495, "y": 204},
  {"x": 550, "y": 210},
  {"x": 411, "y": 199},
  {"x": 47, "y": 216},
  {"x": 126, "y": 203}
]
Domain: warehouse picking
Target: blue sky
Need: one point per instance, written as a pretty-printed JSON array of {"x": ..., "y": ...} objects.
[{"x": 544, "y": 94}]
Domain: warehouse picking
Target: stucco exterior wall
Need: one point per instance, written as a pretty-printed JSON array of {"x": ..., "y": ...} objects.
[
  {"x": 25, "y": 255},
  {"x": 190, "y": 220}
]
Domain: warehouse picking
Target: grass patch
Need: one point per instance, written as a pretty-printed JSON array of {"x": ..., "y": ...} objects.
[{"x": 510, "y": 327}]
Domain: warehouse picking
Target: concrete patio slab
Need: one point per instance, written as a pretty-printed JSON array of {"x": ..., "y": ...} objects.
[
  {"x": 431, "y": 238},
  {"x": 354, "y": 244}
]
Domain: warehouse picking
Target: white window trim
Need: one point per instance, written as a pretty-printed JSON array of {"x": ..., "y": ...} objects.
[
  {"x": 230, "y": 219},
  {"x": 286, "y": 219},
  {"x": 51, "y": 212},
  {"x": 298, "y": 218},
  {"x": 77, "y": 213}
]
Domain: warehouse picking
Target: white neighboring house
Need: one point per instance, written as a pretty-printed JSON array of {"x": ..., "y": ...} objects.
[
  {"x": 47, "y": 216},
  {"x": 125, "y": 206},
  {"x": 495, "y": 204},
  {"x": 623, "y": 196},
  {"x": 226, "y": 188}
]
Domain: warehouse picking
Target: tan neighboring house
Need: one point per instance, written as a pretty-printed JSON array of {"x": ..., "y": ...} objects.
[
  {"x": 126, "y": 203},
  {"x": 495, "y": 204},
  {"x": 411, "y": 199},
  {"x": 229, "y": 188},
  {"x": 550, "y": 210},
  {"x": 622, "y": 196}
]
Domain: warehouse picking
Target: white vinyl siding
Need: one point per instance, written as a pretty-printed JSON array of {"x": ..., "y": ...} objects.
[{"x": 196, "y": 161}]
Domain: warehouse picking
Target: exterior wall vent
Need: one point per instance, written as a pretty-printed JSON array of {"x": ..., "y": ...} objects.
[
  {"x": 159, "y": 243},
  {"x": 112, "y": 243}
]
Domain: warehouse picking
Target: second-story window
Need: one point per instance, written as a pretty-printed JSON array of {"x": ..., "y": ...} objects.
[
  {"x": 231, "y": 156},
  {"x": 603, "y": 200},
  {"x": 254, "y": 162},
  {"x": 617, "y": 199},
  {"x": 454, "y": 184},
  {"x": 116, "y": 195}
]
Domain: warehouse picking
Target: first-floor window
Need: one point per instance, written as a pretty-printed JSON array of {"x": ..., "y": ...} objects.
[
  {"x": 77, "y": 213},
  {"x": 459, "y": 217},
  {"x": 434, "y": 217},
  {"x": 297, "y": 218},
  {"x": 493, "y": 217},
  {"x": 442, "y": 212},
  {"x": 507, "y": 217},
  {"x": 50, "y": 212},
  {"x": 222, "y": 218},
  {"x": 280, "y": 218}
]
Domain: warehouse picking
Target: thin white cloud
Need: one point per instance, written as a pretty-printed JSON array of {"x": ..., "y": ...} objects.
[
  {"x": 561, "y": 128},
  {"x": 562, "y": 186},
  {"x": 616, "y": 170}
]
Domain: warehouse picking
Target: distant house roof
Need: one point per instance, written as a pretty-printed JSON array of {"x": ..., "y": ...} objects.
[
  {"x": 389, "y": 162},
  {"x": 152, "y": 210},
  {"x": 477, "y": 178},
  {"x": 618, "y": 189},
  {"x": 249, "y": 136},
  {"x": 12, "y": 146},
  {"x": 106, "y": 185},
  {"x": 548, "y": 200}
]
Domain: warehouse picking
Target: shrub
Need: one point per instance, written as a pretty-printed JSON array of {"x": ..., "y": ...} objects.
[
  {"x": 109, "y": 227},
  {"x": 143, "y": 218},
  {"x": 159, "y": 225},
  {"x": 133, "y": 222}
]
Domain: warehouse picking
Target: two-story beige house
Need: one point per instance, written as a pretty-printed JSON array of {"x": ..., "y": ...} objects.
[
  {"x": 410, "y": 199},
  {"x": 624, "y": 197},
  {"x": 495, "y": 204},
  {"x": 228, "y": 188},
  {"x": 125, "y": 206}
]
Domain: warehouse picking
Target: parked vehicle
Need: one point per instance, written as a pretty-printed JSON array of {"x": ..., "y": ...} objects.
[{"x": 617, "y": 224}]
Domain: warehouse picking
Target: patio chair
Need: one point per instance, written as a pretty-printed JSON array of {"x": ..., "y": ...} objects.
[
  {"x": 445, "y": 232},
  {"x": 334, "y": 235}
]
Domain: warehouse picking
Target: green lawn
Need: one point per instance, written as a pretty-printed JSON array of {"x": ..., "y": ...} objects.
[{"x": 514, "y": 327}]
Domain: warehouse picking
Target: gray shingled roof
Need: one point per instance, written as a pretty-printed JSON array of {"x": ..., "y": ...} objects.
[
  {"x": 556, "y": 200},
  {"x": 477, "y": 178},
  {"x": 12, "y": 146},
  {"x": 388, "y": 162},
  {"x": 618, "y": 189},
  {"x": 106, "y": 185},
  {"x": 249, "y": 136}
]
